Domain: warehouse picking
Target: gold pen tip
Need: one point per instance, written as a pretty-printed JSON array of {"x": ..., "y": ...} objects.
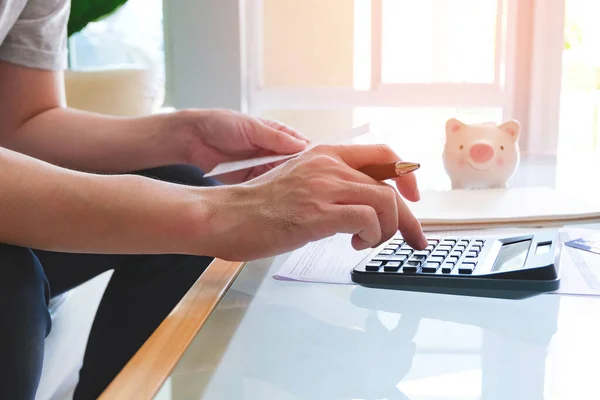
[{"x": 406, "y": 167}]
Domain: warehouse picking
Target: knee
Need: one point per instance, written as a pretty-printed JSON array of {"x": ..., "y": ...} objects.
[
  {"x": 21, "y": 274},
  {"x": 24, "y": 295}
]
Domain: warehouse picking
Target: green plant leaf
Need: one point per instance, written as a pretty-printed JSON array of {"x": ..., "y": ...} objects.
[{"x": 85, "y": 11}]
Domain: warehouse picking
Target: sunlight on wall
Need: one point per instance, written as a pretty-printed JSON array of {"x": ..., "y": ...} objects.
[
  {"x": 579, "y": 130},
  {"x": 330, "y": 45},
  {"x": 307, "y": 43}
]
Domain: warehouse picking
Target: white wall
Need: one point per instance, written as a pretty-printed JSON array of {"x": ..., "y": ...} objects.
[{"x": 203, "y": 54}]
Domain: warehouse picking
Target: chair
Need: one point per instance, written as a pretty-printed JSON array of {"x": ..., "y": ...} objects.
[{"x": 72, "y": 317}]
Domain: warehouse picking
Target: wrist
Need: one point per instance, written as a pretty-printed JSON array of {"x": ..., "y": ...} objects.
[
  {"x": 177, "y": 135},
  {"x": 215, "y": 218},
  {"x": 188, "y": 125}
]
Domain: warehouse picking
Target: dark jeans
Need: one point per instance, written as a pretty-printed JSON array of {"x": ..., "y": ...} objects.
[{"x": 142, "y": 291}]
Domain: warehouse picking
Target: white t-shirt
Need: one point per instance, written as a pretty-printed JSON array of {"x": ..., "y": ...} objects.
[{"x": 33, "y": 33}]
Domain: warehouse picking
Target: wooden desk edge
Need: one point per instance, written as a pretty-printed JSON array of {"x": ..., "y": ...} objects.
[{"x": 143, "y": 376}]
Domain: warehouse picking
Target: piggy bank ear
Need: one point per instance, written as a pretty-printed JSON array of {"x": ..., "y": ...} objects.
[
  {"x": 513, "y": 128},
  {"x": 453, "y": 125}
]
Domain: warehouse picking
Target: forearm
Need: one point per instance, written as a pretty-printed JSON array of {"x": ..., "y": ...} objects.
[
  {"x": 47, "y": 207},
  {"x": 96, "y": 143}
]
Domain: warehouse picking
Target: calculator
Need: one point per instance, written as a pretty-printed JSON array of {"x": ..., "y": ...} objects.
[{"x": 487, "y": 266}]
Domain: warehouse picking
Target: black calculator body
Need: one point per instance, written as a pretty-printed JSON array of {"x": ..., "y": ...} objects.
[{"x": 487, "y": 266}]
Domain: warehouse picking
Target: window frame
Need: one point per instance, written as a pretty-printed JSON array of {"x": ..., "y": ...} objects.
[
  {"x": 529, "y": 88},
  {"x": 497, "y": 94}
]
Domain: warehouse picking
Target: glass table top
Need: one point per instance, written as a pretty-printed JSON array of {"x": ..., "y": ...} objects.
[{"x": 270, "y": 339}]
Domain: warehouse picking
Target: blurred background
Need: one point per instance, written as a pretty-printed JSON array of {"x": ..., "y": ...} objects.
[{"x": 403, "y": 66}]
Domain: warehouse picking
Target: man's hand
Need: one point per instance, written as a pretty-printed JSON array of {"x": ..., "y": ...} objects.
[
  {"x": 217, "y": 136},
  {"x": 34, "y": 124},
  {"x": 316, "y": 195}
]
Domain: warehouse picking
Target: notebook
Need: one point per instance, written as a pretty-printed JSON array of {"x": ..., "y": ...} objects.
[{"x": 490, "y": 208}]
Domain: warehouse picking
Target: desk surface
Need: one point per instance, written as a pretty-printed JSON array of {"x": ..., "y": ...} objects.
[
  {"x": 283, "y": 340},
  {"x": 270, "y": 339}
]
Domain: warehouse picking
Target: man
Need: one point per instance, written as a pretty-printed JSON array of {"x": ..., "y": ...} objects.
[{"x": 83, "y": 193}]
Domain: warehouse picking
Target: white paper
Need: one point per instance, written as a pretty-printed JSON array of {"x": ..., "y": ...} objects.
[
  {"x": 329, "y": 260},
  {"x": 225, "y": 168},
  {"x": 435, "y": 229},
  {"x": 486, "y": 208},
  {"x": 475, "y": 233},
  {"x": 580, "y": 270}
]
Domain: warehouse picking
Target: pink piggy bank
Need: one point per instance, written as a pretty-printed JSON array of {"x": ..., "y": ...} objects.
[{"x": 479, "y": 156}]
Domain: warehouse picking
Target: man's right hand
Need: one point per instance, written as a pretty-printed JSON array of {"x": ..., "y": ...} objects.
[{"x": 311, "y": 197}]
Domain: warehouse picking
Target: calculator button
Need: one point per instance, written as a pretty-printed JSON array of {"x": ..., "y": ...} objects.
[
  {"x": 392, "y": 266},
  {"x": 373, "y": 266},
  {"x": 392, "y": 247},
  {"x": 435, "y": 259},
  {"x": 400, "y": 258},
  {"x": 418, "y": 258},
  {"x": 386, "y": 252},
  {"x": 460, "y": 248},
  {"x": 430, "y": 267},
  {"x": 423, "y": 253},
  {"x": 444, "y": 247},
  {"x": 456, "y": 254},
  {"x": 472, "y": 254},
  {"x": 433, "y": 241},
  {"x": 448, "y": 242},
  {"x": 430, "y": 247},
  {"x": 396, "y": 242},
  {"x": 411, "y": 266},
  {"x": 479, "y": 242},
  {"x": 447, "y": 268},
  {"x": 404, "y": 252},
  {"x": 476, "y": 248},
  {"x": 439, "y": 253},
  {"x": 463, "y": 242},
  {"x": 466, "y": 269},
  {"x": 470, "y": 260},
  {"x": 452, "y": 260}
]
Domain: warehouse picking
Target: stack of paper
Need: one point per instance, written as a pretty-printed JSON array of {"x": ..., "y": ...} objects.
[{"x": 492, "y": 208}]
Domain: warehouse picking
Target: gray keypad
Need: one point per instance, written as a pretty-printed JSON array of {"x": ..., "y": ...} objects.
[{"x": 442, "y": 256}]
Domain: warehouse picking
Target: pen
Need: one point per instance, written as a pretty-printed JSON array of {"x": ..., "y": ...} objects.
[{"x": 382, "y": 172}]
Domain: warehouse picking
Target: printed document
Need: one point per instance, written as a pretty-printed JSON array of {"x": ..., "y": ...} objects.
[
  {"x": 329, "y": 260},
  {"x": 232, "y": 166}
]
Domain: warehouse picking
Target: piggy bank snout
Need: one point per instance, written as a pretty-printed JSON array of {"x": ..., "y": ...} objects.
[{"x": 481, "y": 152}]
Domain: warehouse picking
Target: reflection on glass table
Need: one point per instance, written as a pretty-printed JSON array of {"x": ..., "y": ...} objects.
[{"x": 269, "y": 339}]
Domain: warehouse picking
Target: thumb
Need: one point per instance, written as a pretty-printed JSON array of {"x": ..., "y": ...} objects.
[{"x": 277, "y": 141}]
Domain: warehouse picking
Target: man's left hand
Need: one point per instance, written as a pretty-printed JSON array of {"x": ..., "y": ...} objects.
[{"x": 217, "y": 136}]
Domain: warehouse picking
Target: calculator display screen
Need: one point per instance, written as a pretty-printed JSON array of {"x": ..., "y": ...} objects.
[{"x": 512, "y": 256}]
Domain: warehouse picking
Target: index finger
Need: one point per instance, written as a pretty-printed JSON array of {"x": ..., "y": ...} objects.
[{"x": 359, "y": 156}]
